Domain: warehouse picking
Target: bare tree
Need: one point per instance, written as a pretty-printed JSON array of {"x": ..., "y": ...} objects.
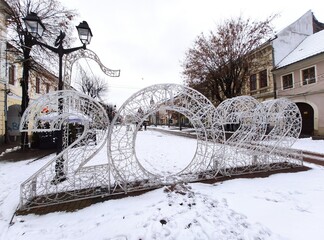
[
  {"x": 110, "y": 110},
  {"x": 55, "y": 19},
  {"x": 218, "y": 65},
  {"x": 94, "y": 87}
]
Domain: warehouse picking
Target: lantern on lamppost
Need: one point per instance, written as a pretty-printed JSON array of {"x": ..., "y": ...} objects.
[{"x": 36, "y": 28}]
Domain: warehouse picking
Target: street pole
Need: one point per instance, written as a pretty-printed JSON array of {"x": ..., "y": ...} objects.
[
  {"x": 6, "y": 113},
  {"x": 59, "y": 166},
  {"x": 35, "y": 29}
]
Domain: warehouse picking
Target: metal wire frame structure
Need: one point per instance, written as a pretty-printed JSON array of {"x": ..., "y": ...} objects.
[
  {"x": 260, "y": 139},
  {"x": 128, "y": 172},
  {"x": 245, "y": 119},
  {"x": 261, "y": 135},
  {"x": 78, "y": 181},
  {"x": 70, "y": 59},
  {"x": 284, "y": 124}
]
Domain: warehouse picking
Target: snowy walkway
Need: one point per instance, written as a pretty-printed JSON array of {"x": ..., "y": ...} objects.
[{"x": 281, "y": 206}]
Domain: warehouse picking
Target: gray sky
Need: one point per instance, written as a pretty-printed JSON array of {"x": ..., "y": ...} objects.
[{"x": 147, "y": 39}]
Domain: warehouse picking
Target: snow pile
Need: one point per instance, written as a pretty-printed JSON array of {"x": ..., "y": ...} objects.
[{"x": 8, "y": 150}]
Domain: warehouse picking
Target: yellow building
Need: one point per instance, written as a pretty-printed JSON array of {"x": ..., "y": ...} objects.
[
  {"x": 3, "y": 72},
  {"x": 260, "y": 83},
  {"x": 40, "y": 82}
]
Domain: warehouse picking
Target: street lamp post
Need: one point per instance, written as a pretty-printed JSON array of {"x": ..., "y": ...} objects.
[{"x": 35, "y": 29}]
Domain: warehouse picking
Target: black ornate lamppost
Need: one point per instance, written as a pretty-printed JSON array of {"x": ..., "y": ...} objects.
[
  {"x": 34, "y": 31},
  {"x": 36, "y": 28}
]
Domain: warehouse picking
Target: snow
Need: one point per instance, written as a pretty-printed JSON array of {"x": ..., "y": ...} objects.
[
  {"x": 282, "y": 206},
  {"x": 152, "y": 145},
  {"x": 10, "y": 150},
  {"x": 312, "y": 45},
  {"x": 310, "y": 145}
]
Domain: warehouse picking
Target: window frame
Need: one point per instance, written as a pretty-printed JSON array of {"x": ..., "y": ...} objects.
[
  {"x": 11, "y": 74},
  {"x": 37, "y": 85},
  {"x": 302, "y": 76},
  {"x": 266, "y": 79},
  {"x": 255, "y": 82},
  {"x": 292, "y": 81},
  {"x": 47, "y": 87}
]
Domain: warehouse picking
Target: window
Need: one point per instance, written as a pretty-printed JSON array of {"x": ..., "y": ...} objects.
[
  {"x": 47, "y": 87},
  {"x": 37, "y": 85},
  {"x": 287, "y": 81},
  {"x": 253, "y": 82},
  {"x": 12, "y": 75},
  {"x": 308, "y": 76},
  {"x": 263, "y": 79}
]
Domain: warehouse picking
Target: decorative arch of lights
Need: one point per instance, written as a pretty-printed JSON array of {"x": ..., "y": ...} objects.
[
  {"x": 71, "y": 58},
  {"x": 240, "y": 136}
]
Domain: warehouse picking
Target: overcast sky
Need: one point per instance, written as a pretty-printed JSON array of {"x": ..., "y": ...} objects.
[{"x": 147, "y": 39}]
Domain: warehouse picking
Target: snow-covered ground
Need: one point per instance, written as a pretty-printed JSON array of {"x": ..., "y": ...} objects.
[
  {"x": 282, "y": 206},
  {"x": 310, "y": 145}
]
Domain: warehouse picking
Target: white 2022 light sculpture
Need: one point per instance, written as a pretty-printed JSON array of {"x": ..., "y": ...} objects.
[{"x": 240, "y": 136}]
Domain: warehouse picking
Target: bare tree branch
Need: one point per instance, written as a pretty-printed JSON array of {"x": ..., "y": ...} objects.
[
  {"x": 218, "y": 65},
  {"x": 55, "y": 18},
  {"x": 94, "y": 87},
  {"x": 53, "y": 15}
]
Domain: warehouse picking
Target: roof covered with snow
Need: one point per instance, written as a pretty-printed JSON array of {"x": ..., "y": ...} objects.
[{"x": 311, "y": 46}]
